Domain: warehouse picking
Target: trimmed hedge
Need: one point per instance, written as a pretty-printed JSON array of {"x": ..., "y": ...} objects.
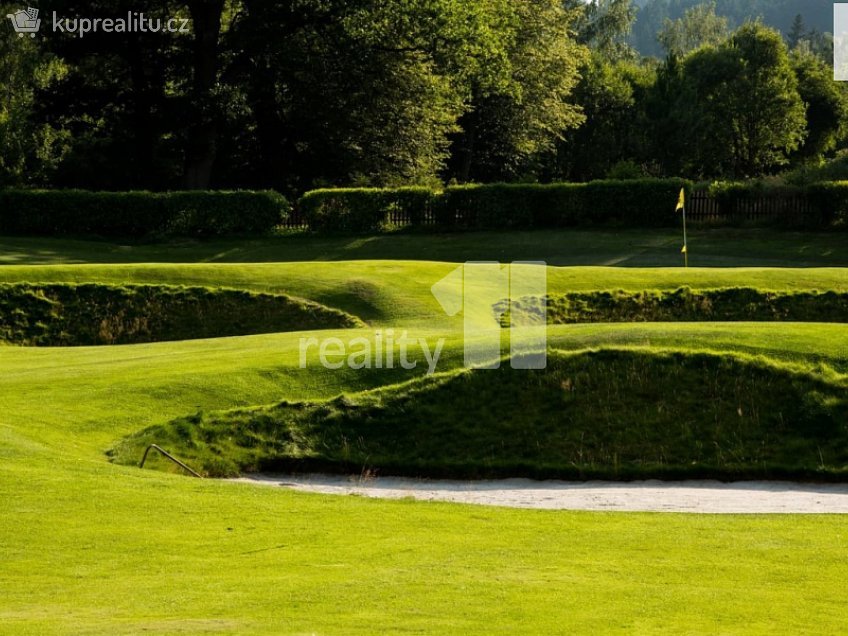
[
  {"x": 644, "y": 203},
  {"x": 366, "y": 209},
  {"x": 763, "y": 204},
  {"x": 137, "y": 214},
  {"x": 831, "y": 199}
]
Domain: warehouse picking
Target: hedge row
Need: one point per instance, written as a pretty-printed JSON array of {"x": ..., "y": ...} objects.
[
  {"x": 816, "y": 206},
  {"x": 643, "y": 203},
  {"x": 831, "y": 199},
  {"x": 634, "y": 203},
  {"x": 366, "y": 209},
  {"x": 137, "y": 214}
]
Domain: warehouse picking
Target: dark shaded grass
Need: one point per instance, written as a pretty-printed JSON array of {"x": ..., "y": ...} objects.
[
  {"x": 96, "y": 314},
  {"x": 681, "y": 305}
]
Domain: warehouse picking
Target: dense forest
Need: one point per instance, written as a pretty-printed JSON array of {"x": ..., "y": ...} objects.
[{"x": 296, "y": 94}]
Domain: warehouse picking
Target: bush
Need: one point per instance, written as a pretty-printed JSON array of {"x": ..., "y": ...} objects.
[
  {"x": 366, "y": 209},
  {"x": 831, "y": 202},
  {"x": 222, "y": 213},
  {"x": 138, "y": 214},
  {"x": 760, "y": 203},
  {"x": 640, "y": 202}
]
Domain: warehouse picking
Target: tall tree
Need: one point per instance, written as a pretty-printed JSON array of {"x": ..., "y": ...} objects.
[
  {"x": 605, "y": 26},
  {"x": 797, "y": 31},
  {"x": 118, "y": 100},
  {"x": 364, "y": 92},
  {"x": 741, "y": 105},
  {"x": 508, "y": 126},
  {"x": 667, "y": 128},
  {"x": 612, "y": 96},
  {"x": 826, "y": 104},
  {"x": 30, "y": 150},
  {"x": 202, "y": 103},
  {"x": 699, "y": 26}
]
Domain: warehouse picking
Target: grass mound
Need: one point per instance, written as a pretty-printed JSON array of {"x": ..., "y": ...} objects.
[
  {"x": 612, "y": 414},
  {"x": 681, "y": 305},
  {"x": 95, "y": 314}
]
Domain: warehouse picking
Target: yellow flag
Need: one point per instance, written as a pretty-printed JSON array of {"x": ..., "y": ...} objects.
[
  {"x": 684, "y": 250},
  {"x": 681, "y": 202}
]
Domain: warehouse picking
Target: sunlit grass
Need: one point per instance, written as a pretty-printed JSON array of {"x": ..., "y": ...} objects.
[{"x": 90, "y": 547}]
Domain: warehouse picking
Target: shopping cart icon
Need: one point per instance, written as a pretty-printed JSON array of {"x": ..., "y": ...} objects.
[{"x": 25, "y": 21}]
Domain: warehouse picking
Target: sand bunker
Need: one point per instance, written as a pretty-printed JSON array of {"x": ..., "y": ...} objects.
[{"x": 645, "y": 496}]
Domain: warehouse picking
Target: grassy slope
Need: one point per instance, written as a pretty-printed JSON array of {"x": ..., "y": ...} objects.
[
  {"x": 398, "y": 292},
  {"x": 607, "y": 414},
  {"x": 88, "y": 547},
  {"x": 68, "y": 314}
]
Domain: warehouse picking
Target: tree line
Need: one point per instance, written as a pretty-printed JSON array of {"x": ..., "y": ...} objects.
[{"x": 298, "y": 94}]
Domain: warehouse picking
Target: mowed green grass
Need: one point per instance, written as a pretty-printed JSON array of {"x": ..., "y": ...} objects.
[
  {"x": 719, "y": 247},
  {"x": 90, "y": 547}
]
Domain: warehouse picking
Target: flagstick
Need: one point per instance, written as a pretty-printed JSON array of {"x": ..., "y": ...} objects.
[{"x": 685, "y": 241}]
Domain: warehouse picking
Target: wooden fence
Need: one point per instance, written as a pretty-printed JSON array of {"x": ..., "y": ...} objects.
[{"x": 772, "y": 209}]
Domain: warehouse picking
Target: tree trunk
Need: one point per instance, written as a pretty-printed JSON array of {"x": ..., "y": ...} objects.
[
  {"x": 146, "y": 97},
  {"x": 202, "y": 130}
]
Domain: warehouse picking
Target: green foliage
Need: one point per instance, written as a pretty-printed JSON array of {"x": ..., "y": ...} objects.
[
  {"x": 613, "y": 414},
  {"x": 137, "y": 214},
  {"x": 699, "y": 26},
  {"x": 612, "y": 96},
  {"x": 633, "y": 203},
  {"x": 726, "y": 134},
  {"x": 92, "y": 314},
  {"x": 341, "y": 93},
  {"x": 823, "y": 205},
  {"x": 506, "y": 129},
  {"x": 831, "y": 199},
  {"x": 796, "y": 31},
  {"x": 604, "y": 25},
  {"x": 223, "y": 213},
  {"x": 29, "y": 150},
  {"x": 778, "y": 14},
  {"x": 835, "y": 169},
  {"x": 779, "y": 205},
  {"x": 361, "y": 210},
  {"x": 826, "y": 103},
  {"x": 626, "y": 170},
  {"x": 685, "y": 305}
]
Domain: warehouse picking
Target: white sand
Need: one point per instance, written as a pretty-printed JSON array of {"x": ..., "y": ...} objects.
[{"x": 645, "y": 496}]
